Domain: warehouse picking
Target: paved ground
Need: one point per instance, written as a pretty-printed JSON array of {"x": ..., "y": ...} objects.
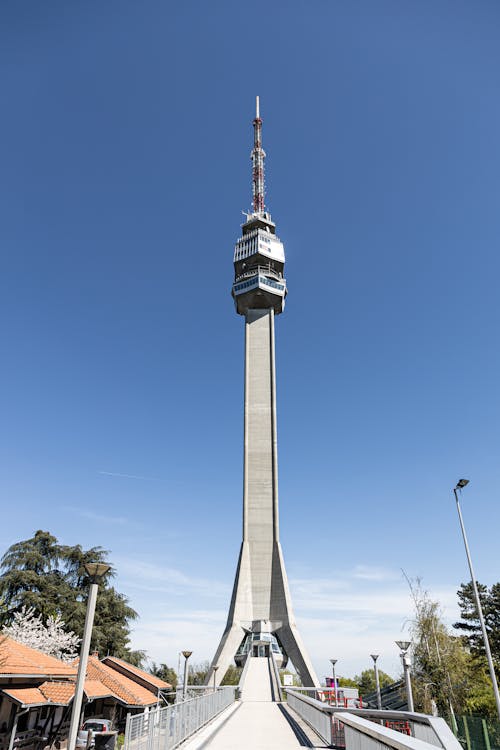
[
  {"x": 255, "y": 723},
  {"x": 257, "y": 685}
]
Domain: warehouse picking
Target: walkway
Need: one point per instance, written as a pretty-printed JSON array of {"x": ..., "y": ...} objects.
[{"x": 255, "y": 723}]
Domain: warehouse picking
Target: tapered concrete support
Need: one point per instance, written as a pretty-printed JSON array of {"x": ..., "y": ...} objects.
[{"x": 261, "y": 587}]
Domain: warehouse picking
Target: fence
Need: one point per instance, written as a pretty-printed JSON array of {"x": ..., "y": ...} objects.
[
  {"x": 476, "y": 733},
  {"x": 165, "y": 728}
]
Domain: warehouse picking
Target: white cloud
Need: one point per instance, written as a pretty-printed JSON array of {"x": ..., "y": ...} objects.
[
  {"x": 163, "y": 579},
  {"x": 363, "y": 610},
  {"x": 97, "y": 517},
  {"x": 370, "y": 573}
]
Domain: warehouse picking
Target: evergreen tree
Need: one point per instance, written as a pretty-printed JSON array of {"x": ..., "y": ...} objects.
[
  {"x": 366, "y": 681},
  {"x": 50, "y": 578},
  {"x": 470, "y": 625}
]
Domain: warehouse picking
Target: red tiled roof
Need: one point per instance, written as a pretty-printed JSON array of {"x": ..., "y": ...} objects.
[
  {"x": 96, "y": 689},
  {"x": 128, "y": 691},
  {"x": 19, "y": 660},
  {"x": 126, "y": 667},
  {"x": 27, "y": 696},
  {"x": 56, "y": 692}
]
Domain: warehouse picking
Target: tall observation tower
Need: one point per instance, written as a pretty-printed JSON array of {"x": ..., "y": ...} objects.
[{"x": 260, "y": 620}]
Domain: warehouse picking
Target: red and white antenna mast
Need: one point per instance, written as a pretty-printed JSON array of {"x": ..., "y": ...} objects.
[{"x": 258, "y": 155}]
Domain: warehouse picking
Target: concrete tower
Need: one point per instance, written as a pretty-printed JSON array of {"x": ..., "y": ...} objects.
[{"x": 260, "y": 619}]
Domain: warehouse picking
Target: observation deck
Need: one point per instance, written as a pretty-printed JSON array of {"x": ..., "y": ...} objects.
[{"x": 259, "y": 262}]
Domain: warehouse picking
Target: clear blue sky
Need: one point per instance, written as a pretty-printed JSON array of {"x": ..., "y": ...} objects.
[{"x": 125, "y": 135}]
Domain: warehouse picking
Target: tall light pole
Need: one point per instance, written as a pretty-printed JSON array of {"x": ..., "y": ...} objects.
[
  {"x": 333, "y": 663},
  {"x": 96, "y": 571},
  {"x": 405, "y": 658},
  {"x": 460, "y": 485},
  {"x": 186, "y": 655},
  {"x": 215, "y": 675},
  {"x": 377, "y": 681}
]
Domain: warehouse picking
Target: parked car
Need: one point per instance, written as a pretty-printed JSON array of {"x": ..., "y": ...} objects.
[{"x": 92, "y": 725}]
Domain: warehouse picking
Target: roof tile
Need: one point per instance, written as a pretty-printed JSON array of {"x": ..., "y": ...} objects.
[
  {"x": 26, "y": 696},
  {"x": 128, "y": 691},
  {"x": 146, "y": 676},
  {"x": 57, "y": 692},
  {"x": 20, "y": 660}
]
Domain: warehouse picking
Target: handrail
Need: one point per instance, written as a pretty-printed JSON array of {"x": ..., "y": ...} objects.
[
  {"x": 429, "y": 730},
  {"x": 165, "y": 728},
  {"x": 276, "y": 675},
  {"x": 253, "y": 270},
  {"x": 244, "y": 673},
  {"x": 383, "y": 735}
]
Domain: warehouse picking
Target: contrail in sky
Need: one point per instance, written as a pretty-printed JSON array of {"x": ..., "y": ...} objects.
[{"x": 126, "y": 476}]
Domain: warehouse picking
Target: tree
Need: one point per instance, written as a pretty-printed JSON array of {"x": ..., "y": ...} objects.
[
  {"x": 470, "y": 625},
  {"x": 346, "y": 682},
  {"x": 168, "y": 674},
  {"x": 42, "y": 574},
  {"x": 232, "y": 676},
  {"x": 197, "y": 673},
  {"x": 444, "y": 671},
  {"x": 366, "y": 681},
  {"x": 51, "y": 638}
]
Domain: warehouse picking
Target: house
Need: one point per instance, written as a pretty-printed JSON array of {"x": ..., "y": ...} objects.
[
  {"x": 132, "y": 688},
  {"x": 149, "y": 681},
  {"x": 24, "y": 708},
  {"x": 36, "y": 694}
]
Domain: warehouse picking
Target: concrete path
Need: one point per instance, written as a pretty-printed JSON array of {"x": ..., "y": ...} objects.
[
  {"x": 252, "y": 726},
  {"x": 257, "y": 686},
  {"x": 255, "y": 723}
]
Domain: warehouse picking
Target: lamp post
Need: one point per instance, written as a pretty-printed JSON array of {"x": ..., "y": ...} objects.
[
  {"x": 405, "y": 658},
  {"x": 459, "y": 486},
  {"x": 377, "y": 681},
  {"x": 333, "y": 663},
  {"x": 215, "y": 675},
  {"x": 186, "y": 655},
  {"x": 432, "y": 703},
  {"x": 96, "y": 571}
]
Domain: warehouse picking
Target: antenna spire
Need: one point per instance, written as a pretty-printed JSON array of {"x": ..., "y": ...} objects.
[{"x": 258, "y": 155}]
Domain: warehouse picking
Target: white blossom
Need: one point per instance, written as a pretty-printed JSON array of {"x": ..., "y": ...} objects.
[{"x": 50, "y": 639}]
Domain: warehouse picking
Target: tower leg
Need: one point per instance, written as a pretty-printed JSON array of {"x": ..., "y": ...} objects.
[
  {"x": 224, "y": 656},
  {"x": 287, "y": 632},
  {"x": 239, "y": 617},
  {"x": 292, "y": 643}
]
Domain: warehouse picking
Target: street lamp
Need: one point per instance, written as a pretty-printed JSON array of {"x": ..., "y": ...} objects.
[
  {"x": 405, "y": 658},
  {"x": 460, "y": 485},
  {"x": 186, "y": 655},
  {"x": 96, "y": 571},
  {"x": 432, "y": 702},
  {"x": 215, "y": 674},
  {"x": 377, "y": 681},
  {"x": 333, "y": 663}
]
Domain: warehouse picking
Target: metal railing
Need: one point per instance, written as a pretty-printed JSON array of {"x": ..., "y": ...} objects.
[
  {"x": 165, "y": 728},
  {"x": 276, "y": 681},
  {"x": 258, "y": 269},
  {"x": 362, "y": 728},
  {"x": 192, "y": 691}
]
